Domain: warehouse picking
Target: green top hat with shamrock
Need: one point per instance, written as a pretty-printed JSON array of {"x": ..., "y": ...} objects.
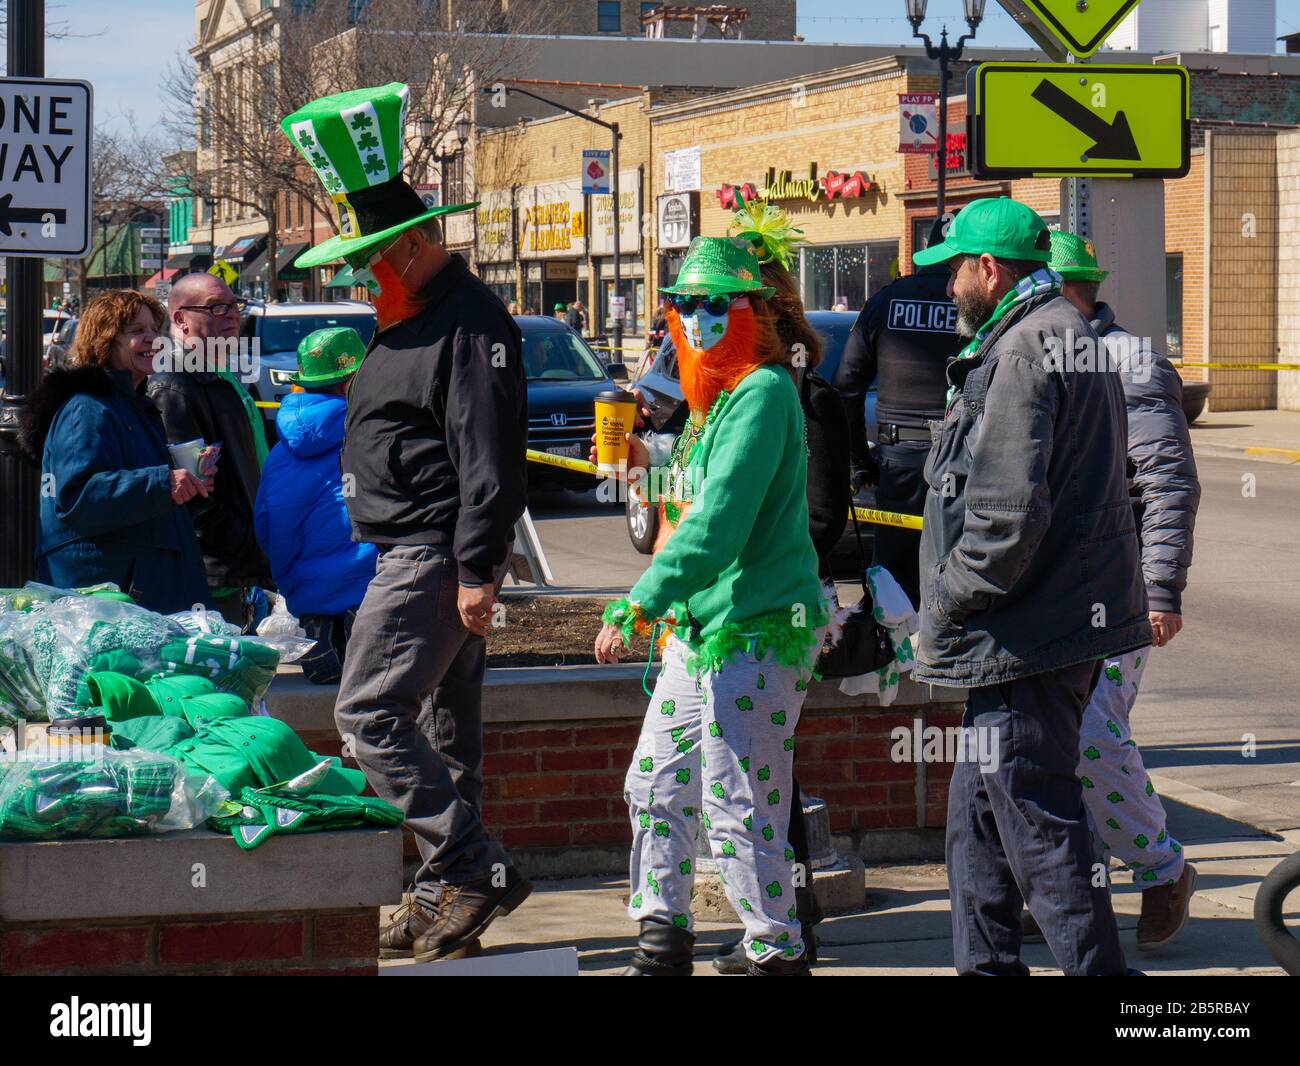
[
  {"x": 1075, "y": 258},
  {"x": 353, "y": 141},
  {"x": 717, "y": 266},
  {"x": 328, "y": 356}
]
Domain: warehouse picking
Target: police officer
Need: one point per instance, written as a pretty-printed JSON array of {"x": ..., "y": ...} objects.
[{"x": 903, "y": 338}]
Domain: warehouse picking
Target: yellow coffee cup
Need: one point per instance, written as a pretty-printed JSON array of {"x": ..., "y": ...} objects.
[{"x": 615, "y": 418}]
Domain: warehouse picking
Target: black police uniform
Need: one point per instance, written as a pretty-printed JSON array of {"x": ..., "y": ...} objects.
[{"x": 903, "y": 338}]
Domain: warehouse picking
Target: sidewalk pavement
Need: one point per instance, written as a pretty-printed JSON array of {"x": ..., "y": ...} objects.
[
  {"x": 1271, "y": 436},
  {"x": 905, "y": 929}
]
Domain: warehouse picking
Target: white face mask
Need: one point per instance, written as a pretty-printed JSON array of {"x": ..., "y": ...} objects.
[{"x": 704, "y": 330}]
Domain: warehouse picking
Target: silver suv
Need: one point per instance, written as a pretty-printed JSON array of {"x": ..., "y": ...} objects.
[{"x": 279, "y": 328}]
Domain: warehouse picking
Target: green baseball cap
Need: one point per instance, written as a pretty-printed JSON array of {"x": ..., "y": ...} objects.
[
  {"x": 1001, "y": 227},
  {"x": 328, "y": 356},
  {"x": 1075, "y": 258},
  {"x": 558, "y": 307},
  {"x": 717, "y": 266}
]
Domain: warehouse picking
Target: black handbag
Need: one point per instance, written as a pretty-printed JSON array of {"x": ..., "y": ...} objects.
[{"x": 864, "y": 644}]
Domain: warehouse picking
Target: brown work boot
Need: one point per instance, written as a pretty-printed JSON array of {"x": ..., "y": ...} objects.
[
  {"x": 1164, "y": 911},
  {"x": 465, "y": 911},
  {"x": 409, "y": 921}
]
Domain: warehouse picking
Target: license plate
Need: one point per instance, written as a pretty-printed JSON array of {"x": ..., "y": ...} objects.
[{"x": 568, "y": 451}]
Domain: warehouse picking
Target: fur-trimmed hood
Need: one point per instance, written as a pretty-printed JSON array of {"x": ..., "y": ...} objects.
[{"x": 53, "y": 392}]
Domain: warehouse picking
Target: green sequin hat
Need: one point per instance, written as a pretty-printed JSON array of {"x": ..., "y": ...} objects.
[
  {"x": 353, "y": 141},
  {"x": 328, "y": 356},
  {"x": 717, "y": 266},
  {"x": 1075, "y": 258}
]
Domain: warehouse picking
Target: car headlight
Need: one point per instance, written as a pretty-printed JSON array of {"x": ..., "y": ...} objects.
[{"x": 282, "y": 377}]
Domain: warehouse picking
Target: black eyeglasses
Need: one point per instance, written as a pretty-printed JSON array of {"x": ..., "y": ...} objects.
[
  {"x": 219, "y": 310},
  {"x": 714, "y": 305}
]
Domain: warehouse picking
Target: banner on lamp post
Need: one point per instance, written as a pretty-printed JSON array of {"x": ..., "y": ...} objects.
[{"x": 918, "y": 123}]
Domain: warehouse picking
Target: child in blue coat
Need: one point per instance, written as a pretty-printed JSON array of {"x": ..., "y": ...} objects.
[{"x": 300, "y": 517}]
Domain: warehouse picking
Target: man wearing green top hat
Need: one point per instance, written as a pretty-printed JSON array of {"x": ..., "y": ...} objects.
[
  {"x": 1029, "y": 577},
  {"x": 433, "y": 457},
  {"x": 301, "y": 515},
  {"x": 1165, "y": 493}
]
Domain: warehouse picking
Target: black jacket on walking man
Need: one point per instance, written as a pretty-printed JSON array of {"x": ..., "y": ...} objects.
[
  {"x": 1029, "y": 576},
  {"x": 903, "y": 340},
  {"x": 433, "y": 474}
]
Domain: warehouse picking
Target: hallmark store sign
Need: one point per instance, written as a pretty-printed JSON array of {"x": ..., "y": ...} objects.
[
  {"x": 552, "y": 223},
  {"x": 782, "y": 185}
]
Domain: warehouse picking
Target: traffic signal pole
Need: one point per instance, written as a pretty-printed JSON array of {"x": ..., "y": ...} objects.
[{"x": 18, "y": 474}]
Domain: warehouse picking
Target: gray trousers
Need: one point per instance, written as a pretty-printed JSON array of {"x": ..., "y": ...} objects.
[{"x": 409, "y": 709}]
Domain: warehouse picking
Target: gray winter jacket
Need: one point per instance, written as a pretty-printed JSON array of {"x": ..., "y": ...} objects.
[
  {"x": 1163, "y": 483},
  {"x": 1029, "y": 556}
]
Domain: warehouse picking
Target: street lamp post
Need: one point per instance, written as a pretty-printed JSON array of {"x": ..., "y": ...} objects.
[
  {"x": 19, "y": 476},
  {"x": 104, "y": 219},
  {"x": 617, "y": 338},
  {"x": 946, "y": 54}
]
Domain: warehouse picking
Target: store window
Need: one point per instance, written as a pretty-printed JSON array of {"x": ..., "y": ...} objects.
[
  {"x": 609, "y": 16},
  {"x": 846, "y": 273},
  {"x": 504, "y": 290},
  {"x": 533, "y": 298},
  {"x": 1174, "y": 305},
  {"x": 633, "y": 292}
]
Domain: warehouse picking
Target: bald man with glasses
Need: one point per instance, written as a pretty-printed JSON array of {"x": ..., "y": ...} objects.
[{"x": 211, "y": 403}]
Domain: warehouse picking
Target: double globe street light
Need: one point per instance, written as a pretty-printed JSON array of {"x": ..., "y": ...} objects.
[{"x": 945, "y": 54}]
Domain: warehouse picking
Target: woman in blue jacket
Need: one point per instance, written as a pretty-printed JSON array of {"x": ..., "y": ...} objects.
[
  {"x": 300, "y": 517},
  {"x": 111, "y": 502}
]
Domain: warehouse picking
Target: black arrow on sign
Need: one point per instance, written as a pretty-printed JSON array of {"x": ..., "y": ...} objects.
[
  {"x": 1114, "y": 140},
  {"x": 10, "y": 214}
]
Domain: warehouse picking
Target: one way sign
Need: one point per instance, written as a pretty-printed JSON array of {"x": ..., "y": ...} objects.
[{"x": 45, "y": 135}]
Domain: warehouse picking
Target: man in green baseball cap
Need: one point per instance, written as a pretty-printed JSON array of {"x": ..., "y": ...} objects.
[
  {"x": 433, "y": 457},
  {"x": 1165, "y": 492},
  {"x": 1029, "y": 576}
]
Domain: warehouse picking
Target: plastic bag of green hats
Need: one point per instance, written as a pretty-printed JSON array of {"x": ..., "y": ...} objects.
[
  {"x": 239, "y": 665},
  {"x": 102, "y": 793}
]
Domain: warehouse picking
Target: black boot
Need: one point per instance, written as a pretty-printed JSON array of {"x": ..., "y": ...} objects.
[
  {"x": 662, "y": 951},
  {"x": 777, "y": 966},
  {"x": 732, "y": 960}
]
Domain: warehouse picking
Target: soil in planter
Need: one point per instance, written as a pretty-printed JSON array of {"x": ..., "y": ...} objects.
[{"x": 545, "y": 631}]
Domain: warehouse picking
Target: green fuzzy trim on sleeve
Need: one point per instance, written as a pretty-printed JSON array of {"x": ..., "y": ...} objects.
[{"x": 624, "y": 614}]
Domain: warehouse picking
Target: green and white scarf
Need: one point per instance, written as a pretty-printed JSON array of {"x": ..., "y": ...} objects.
[{"x": 1041, "y": 281}]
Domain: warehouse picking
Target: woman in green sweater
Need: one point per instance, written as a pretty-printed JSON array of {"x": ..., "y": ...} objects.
[{"x": 735, "y": 588}]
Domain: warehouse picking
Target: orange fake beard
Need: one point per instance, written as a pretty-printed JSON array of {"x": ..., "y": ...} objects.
[
  {"x": 393, "y": 303},
  {"x": 704, "y": 374}
]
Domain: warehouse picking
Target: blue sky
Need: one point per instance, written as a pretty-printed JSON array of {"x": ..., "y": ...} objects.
[{"x": 127, "y": 43}]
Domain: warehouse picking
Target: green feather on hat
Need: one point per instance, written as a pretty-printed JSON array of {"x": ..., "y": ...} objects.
[
  {"x": 354, "y": 143},
  {"x": 767, "y": 227}
]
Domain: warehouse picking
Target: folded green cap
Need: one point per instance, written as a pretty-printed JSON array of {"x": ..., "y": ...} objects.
[
  {"x": 1001, "y": 227},
  {"x": 328, "y": 356},
  {"x": 1075, "y": 258}
]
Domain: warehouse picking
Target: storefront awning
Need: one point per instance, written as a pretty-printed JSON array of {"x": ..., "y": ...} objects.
[
  {"x": 188, "y": 260},
  {"x": 344, "y": 279},
  {"x": 285, "y": 257},
  {"x": 166, "y": 274},
  {"x": 254, "y": 270},
  {"x": 243, "y": 247}
]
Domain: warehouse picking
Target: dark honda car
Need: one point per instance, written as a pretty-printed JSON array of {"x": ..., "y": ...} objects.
[
  {"x": 663, "y": 395},
  {"x": 564, "y": 378}
]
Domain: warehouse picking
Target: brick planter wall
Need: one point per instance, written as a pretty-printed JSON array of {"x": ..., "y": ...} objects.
[
  {"x": 557, "y": 744},
  {"x": 304, "y": 943}
]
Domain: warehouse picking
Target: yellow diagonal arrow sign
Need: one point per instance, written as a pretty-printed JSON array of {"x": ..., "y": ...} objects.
[
  {"x": 1079, "y": 27},
  {"x": 1080, "y": 120}
]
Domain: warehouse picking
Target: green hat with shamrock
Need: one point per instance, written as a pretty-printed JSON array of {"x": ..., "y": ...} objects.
[
  {"x": 716, "y": 266},
  {"x": 328, "y": 356},
  {"x": 354, "y": 143},
  {"x": 1075, "y": 258}
]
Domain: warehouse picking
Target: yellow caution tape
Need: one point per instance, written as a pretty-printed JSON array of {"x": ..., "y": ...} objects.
[
  {"x": 865, "y": 514},
  {"x": 1239, "y": 366},
  {"x": 266, "y": 403},
  {"x": 564, "y": 462},
  {"x": 887, "y": 518}
]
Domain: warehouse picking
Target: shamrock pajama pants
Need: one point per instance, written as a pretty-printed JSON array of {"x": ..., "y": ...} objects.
[
  {"x": 718, "y": 753},
  {"x": 1129, "y": 817}
]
